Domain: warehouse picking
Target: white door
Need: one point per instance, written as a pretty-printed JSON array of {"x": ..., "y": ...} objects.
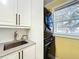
[
  {"x": 29, "y": 52},
  {"x": 24, "y": 9},
  {"x": 8, "y": 9},
  {"x": 11, "y": 56}
]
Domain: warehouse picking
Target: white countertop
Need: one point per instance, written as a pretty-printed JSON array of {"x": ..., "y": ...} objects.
[{"x": 6, "y": 52}]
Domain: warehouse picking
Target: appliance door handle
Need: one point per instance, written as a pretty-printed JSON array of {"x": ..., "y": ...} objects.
[
  {"x": 16, "y": 18},
  {"x": 19, "y": 19}
]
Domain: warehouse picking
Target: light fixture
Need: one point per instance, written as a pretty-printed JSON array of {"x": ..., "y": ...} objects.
[{"x": 4, "y": 2}]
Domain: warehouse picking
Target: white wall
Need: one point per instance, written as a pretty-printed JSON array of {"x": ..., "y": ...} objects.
[
  {"x": 36, "y": 33},
  {"x": 8, "y": 34}
]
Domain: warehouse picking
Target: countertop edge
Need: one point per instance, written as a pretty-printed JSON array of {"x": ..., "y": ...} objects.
[{"x": 12, "y": 50}]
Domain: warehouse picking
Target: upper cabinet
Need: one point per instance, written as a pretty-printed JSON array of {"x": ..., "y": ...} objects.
[
  {"x": 24, "y": 12},
  {"x": 15, "y": 12},
  {"x": 8, "y": 9}
]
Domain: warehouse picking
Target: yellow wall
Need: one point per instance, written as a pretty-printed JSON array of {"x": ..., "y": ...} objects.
[{"x": 66, "y": 48}]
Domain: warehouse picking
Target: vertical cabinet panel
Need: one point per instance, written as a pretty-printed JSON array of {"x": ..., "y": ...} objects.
[
  {"x": 24, "y": 11},
  {"x": 29, "y": 52},
  {"x": 11, "y": 56},
  {"x": 26, "y": 53},
  {"x": 8, "y": 9}
]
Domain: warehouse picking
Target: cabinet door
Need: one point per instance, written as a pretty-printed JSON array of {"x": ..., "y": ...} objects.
[
  {"x": 8, "y": 12},
  {"x": 11, "y": 56},
  {"x": 24, "y": 9},
  {"x": 29, "y": 52}
]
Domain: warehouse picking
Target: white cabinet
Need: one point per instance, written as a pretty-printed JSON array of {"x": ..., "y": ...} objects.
[
  {"x": 15, "y": 12},
  {"x": 29, "y": 53},
  {"x": 26, "y": 53},
  {"x": 24, "y": 11},
  {"x": 8, "y": 9},
  {"x": 11, "y": 56}
]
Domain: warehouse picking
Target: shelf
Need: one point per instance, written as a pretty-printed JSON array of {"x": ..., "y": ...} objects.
[{"x": 14, "y": 27}]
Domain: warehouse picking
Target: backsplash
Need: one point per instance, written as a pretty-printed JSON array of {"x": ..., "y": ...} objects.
[{"x": 8, "y": 34}]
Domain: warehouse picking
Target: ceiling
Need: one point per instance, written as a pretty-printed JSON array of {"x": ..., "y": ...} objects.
[
  {"x": 49, "y": 4},
  {"x": 47, "y": 1}
]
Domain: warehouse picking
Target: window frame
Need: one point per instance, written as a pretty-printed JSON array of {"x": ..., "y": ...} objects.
[{"x": 70, "y": 35}]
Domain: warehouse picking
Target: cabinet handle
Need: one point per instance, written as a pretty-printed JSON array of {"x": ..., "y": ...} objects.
[
  {"x": 19, "y": 19},
  {"x": 16, "y": 18},
  {"x": 22, "y": 55},
  {"x": 19, "y": 55}
]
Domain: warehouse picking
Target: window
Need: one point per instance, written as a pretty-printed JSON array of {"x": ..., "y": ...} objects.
[{"x": 66, "y": 20}]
